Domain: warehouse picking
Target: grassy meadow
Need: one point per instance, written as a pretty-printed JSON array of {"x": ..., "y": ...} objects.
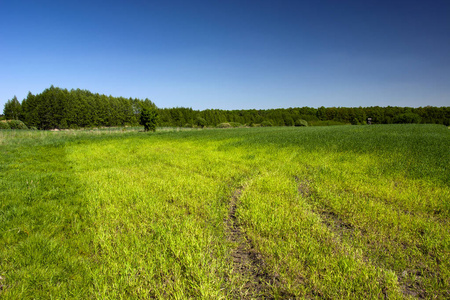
[{"x": 333, "y": 212}]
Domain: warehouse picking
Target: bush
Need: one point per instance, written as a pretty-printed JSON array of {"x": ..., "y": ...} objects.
[
  {"x": 16, "y": 124},
  {"x": 229, "y": 125},
  {"x": 200, "y": 122},
  {"x": 355, "y": 121},
  {"x": 235, "y": 124},
  {"x": 301, "y": 122},
  {"x": 4, "y": 125},
  {"x": 188, "y": 125},
  {"x": 224, "y": 125},
  {"x": 290, "y": 122},
  {"x": 266, "y": 124}
]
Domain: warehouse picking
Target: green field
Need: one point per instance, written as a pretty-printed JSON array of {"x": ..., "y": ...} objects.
[{"x": 287, "y": 213}]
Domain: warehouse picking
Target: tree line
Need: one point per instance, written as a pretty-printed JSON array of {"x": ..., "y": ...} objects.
[
  {"x": 187, "y": 117},
  {"x": 61, "y": 108},
  {"x": 314, "y": 116}
]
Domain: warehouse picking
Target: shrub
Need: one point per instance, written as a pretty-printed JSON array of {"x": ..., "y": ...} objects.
[
  {"x": 266, "y": 124},
  {"x": 355, "y": 121},
  {"x": 17, "y": 124},
  {"x": 235, "y": 124},
  {"x": 200, "y": 122},
  {"x": 224, "y": 125},
  {"x": 289, "y": 122},
  {"x": 4, "y": 125},
  {"x": 188, "y": 125},
  {"x": 301, "y": 122}
]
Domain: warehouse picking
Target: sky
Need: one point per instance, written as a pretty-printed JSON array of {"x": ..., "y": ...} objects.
[{"x": 227, "y": 54}]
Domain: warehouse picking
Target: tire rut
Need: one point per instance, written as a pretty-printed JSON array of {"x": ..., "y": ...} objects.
[{"x": 247, "y": 261}]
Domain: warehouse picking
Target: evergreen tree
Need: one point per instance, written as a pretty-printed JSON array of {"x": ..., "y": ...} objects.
[
  {"x": 149, "y": 118},
  {"x": 12, "y": 109}
]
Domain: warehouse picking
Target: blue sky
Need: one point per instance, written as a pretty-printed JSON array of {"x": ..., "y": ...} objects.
[{"x": 231, "y": 54}]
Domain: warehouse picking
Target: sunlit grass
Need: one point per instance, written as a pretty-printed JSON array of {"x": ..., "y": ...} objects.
[{"x": 336, "y": 212}]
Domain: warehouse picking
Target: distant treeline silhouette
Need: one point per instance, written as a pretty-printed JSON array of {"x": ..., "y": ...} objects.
[{"x": 61, "y": 108}]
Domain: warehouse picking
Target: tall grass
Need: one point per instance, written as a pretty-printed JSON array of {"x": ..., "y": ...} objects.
[{"x": 335, "y": 212}]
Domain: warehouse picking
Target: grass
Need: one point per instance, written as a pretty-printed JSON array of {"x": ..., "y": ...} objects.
[{"x": 334, "y": 212}]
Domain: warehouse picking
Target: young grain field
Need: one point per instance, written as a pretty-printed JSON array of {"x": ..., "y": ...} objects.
[{"x": 254, "y": 213}]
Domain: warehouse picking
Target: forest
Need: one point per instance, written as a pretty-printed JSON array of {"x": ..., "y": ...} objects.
[{"x": 57, "y": 108}]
